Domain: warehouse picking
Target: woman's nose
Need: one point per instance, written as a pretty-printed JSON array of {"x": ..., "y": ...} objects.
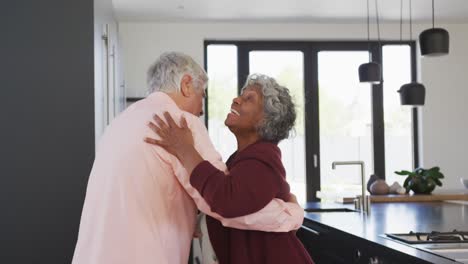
[{"x": 236, "y": 100}]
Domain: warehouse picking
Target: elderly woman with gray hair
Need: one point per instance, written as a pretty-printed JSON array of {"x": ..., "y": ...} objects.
[{"x": 260, "y": 118}]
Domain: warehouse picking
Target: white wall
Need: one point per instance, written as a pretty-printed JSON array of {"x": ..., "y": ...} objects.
[
  {"x": 445, "y": 115},
  {"x": 445, "y": 78}
]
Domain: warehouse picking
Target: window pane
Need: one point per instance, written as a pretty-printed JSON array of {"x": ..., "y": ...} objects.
[
  {"x": 345, "y": 121},
  {"x": 222, "y": 88},
  {"x": 287, "y": 67},
  {"x": 398, "y": 120}
]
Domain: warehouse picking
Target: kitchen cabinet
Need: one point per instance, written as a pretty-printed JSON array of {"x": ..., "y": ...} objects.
[
  {"x": 345, "y": 236},
  {"x": 331, "y": 246}
]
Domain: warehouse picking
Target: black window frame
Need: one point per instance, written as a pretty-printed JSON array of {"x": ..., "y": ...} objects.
[{"x": 310, "y": 50}]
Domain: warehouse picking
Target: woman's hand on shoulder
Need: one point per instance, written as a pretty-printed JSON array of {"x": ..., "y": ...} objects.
[{"x": 175, "y": 139}]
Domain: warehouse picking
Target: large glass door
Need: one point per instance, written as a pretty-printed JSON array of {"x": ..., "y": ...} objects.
[
  {"x": 338, "y": 118},
  {"x": 345, "y": 121},
  {"x": 221, "y": 61},
  {"x": 287, "y": 67}
]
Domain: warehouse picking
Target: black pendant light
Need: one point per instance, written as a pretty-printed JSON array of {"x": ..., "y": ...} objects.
[
  {"x": 370, "y": 72},
  {"x": 434, "y": 41},
  {"x": 412, "y": 93}
]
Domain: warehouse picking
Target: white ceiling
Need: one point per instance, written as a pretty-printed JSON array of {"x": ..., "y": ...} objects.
[{"x": 326, "y": 11}]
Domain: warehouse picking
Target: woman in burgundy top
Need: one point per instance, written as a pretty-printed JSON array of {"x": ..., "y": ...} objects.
[{"x": 260, "y": 117}]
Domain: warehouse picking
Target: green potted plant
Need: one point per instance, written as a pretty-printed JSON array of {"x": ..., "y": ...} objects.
[{"x": 422, "y": 181}]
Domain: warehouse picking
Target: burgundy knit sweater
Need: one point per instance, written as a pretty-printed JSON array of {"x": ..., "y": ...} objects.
[{"x": 256, "y": 176}]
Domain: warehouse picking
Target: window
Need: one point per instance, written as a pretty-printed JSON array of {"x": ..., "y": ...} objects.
[
  {"x": 338, "y": 117},
  {"x": 398, "y": 119},
  {"x": 287, "y": 67},
  {"x": 222, "y": 88},
  {"x": 345, "y": 120}
]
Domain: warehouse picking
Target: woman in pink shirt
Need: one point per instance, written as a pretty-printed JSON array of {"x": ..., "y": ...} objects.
[{"x": 260, "y": 117}]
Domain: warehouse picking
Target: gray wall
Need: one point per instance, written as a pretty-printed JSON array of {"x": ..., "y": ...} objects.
[{"x": 47, "y": 126}]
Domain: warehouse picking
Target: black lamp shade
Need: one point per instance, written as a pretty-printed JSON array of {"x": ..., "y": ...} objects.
[
  {"x": 412, "y": 94},
  {"x": 370, "y": 72},
  {"x": 434, "y": 42}
]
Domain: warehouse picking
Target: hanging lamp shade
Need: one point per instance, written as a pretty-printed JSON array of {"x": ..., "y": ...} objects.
[
  {"x": 370, "y": 72},
  {"x": 434, "y": 42},
  {"x": 412, "y": 94}
]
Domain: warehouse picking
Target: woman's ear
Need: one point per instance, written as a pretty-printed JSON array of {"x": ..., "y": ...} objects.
[{"x": 186, "y": 85}]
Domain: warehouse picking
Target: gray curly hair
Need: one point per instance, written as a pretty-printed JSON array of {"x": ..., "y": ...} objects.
[
  {"x": 168, "y": 70},
  {"x": 278, "y": 107}
]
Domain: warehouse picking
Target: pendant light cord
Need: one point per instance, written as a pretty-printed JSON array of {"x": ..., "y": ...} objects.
[
  {"x": 410, "y": 22},
  {"x": 378, "y": 27},
  {"x": 432, "y": 13},
  {"x": 368, "y": 32},
  {"x": 377, "y": 17},
  {"x": 401, "y": 20}
]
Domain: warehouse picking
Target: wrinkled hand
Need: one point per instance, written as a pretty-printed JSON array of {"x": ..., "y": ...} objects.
[{"x": 174, "y": 139}]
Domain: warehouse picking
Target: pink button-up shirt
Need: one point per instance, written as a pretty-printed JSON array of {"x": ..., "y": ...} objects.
[{"x": 140, "y": 207}]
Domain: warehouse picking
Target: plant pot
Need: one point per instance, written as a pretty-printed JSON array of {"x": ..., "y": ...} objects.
[
  {"x": 422, "y": 181},
  {"x": 421, "y": 186}
]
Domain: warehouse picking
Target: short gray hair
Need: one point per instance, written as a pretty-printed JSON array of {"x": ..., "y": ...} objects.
[
  {"x": 168, "y": 70},
  {"x": 278, "y": 107}
]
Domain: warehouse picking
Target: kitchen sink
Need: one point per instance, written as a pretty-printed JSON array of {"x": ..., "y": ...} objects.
[{"x": 329, "y": 210}]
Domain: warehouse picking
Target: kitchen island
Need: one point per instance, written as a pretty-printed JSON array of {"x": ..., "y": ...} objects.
[{"x": 338, "y": 236}]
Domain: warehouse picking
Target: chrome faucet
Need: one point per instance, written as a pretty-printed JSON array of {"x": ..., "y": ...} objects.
[{"x": 364, "y": 202}]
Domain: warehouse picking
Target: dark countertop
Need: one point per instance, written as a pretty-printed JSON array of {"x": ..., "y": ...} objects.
[{"x": 394, "y": 218}]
